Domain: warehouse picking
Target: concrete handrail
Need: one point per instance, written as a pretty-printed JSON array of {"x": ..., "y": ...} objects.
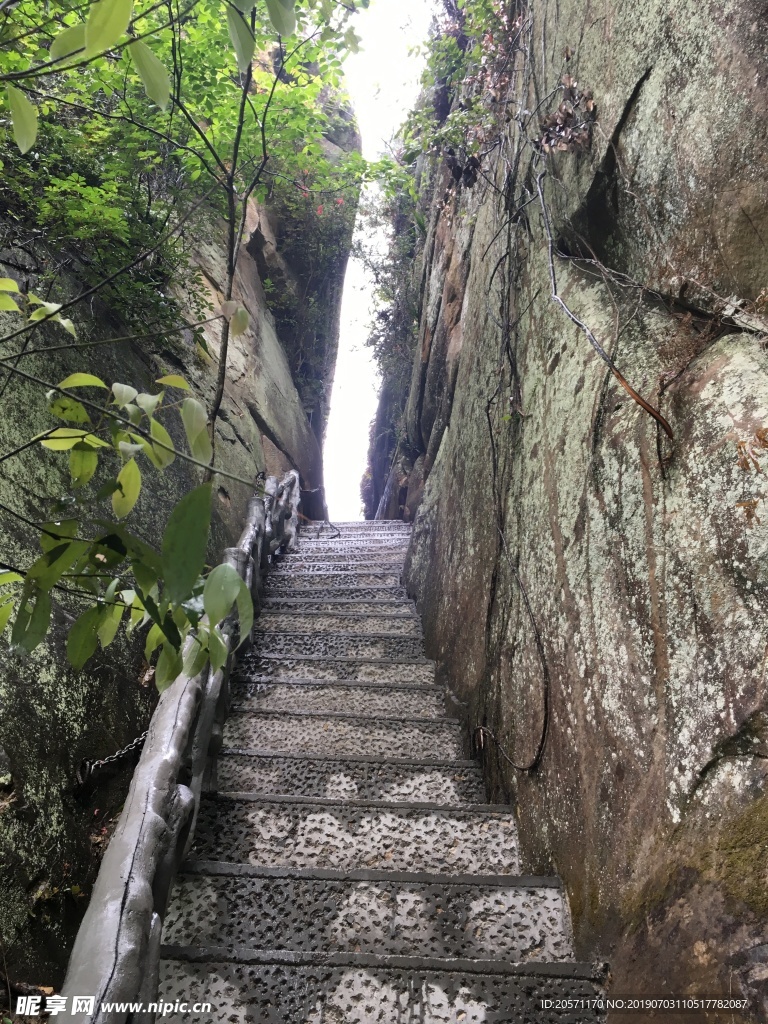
[{"x": 116, "y": 954}]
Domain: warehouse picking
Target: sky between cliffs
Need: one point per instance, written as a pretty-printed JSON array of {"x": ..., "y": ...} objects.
[{"x": 383, "y": 80}]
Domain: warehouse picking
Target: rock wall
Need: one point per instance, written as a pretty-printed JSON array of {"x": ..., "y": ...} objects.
[
  {"x": 583, "y": 578},
  {"x": 52, "y": 718}
]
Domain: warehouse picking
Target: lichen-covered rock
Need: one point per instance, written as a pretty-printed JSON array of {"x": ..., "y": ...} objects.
[{"x": 577, "y": 569}]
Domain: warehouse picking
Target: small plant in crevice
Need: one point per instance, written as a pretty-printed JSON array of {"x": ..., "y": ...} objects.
[{"x": 568, "y": 129}]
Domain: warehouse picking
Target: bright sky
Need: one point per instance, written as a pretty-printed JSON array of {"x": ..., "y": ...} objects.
[{"x": 383, "y": 81}]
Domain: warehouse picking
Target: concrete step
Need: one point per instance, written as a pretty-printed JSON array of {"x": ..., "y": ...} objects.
[
  {"x": 268, "y": 668},
  {"x": 391, "y": 780},
  {"x": 355, "y": 542},
  {"x": 372, "y": 604},
  {"x": 358, "y": 536},
  {"x": 336, "y": 557},
  {"x": 345, "y": 867},
  {"x": 417, "y": 700},
  {"x": 320, "y": 594},
  {"x": 325, "y": 733},
  {"x": 476, "y": 917},
  {"x": 327, "y": 566},
  {"x": 294, "y": 621},
  {"x": 341, "y": 645},
  {"x": 346, "y": 835},
  {"x": 325, "y": 580},
  {"x": 312, "y": 988},
  {"x": 358, "y": 526}
]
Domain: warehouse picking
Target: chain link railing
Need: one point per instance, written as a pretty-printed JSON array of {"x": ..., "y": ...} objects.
[
  {"x": 88, "y": 767},
  {"x": 117, "y": 951}
]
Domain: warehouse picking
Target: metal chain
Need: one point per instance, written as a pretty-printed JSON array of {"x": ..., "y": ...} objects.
[{"x": 87, "y": 768}]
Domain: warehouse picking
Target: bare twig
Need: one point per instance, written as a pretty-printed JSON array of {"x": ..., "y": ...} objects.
[{"x": 582, "y": 326}]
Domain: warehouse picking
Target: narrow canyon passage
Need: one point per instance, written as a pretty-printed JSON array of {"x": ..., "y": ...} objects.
[{"x": 383, "y": 590}]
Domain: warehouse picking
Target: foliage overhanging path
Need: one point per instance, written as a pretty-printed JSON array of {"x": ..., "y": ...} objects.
[{"x": 131, "y": 118}]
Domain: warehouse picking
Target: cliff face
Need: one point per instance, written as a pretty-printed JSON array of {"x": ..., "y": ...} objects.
[
  {"x": 583, "y": 577},
  {"x": 52, "y": 718}
]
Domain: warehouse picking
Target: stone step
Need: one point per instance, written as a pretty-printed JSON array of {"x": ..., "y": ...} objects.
[
  {"x": 398, "y": 914},
  {"x": 325, "y": 580},
  {"x": 334, "y": 557},
  {"x": 417, "y": 700},
  {"x": 325, "y": 733},
  {"x": 324, "y": 564},
  {"x": 346, "y": 835},
  {"x": 391, "y": 780},
  {"x": 355, "y": 530},
  {"x": 261, "y": 666},
  {"x": 372, "y": 604},
  {"x": 355, "y": 543},
  {"x": 342, "y": 988},
  {"x": 357, "y": 526},
  {"x": 371, "y": 541},
  {"x": 274, "y": 620},
  {"x": 320, "y": 594},
  {"x": 340, "y": 645}
]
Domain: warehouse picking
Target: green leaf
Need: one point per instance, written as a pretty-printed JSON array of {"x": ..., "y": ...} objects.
[
  {"x": 6, "y": 611},
  {"x": 221, "y": 589},
  {"x": 283, "y": 16},
  {"x": 133, "y": 413},
  {"x": 83, "y": 637},
  {"x": 146, "y": 575},
  {"x": 69, "y": 41},
  {"x": 45, "y": 309},
  {"x": 29, "y": 629},
  {"x": 106, "y": 23},
  {"x": 83, "y": 463},
  {"x": 124, "y": 394},
  {"x": 162, "y": 455},
  {"x": 148, "y": 450},
  {"x": 7, "y": 304},
  {"x": 129, "y": 482},
  {"x": 155, "y": 637},
  {"x": 196, "y": 658},
  {"x": 128, "y": 450},
  {"x": 7, "y": 284},
  {"x": 49, "y": 569},
  {"x": 185, "y": 542},
  {"x": 173, "y": 380},
  {"x": 110, "y": 624},
  {"x": 217, "y": 649},
  {"x": 24, "y": 116},
  {"x": 82, "y": 380},
  {"x": 169, "y": 667},
  {"x": 148, "y": 403},
  {"x": 195, "y": 420},
  {"x": 107, "y": 489},
  {"x": 242, "y": 39},
  {"x": 157, "y": 84},
  {"x": 67, "y": 408},
  {"x": 239, "y": 322},
  {"x": 55, "y": 534},
  {"x": 10, "y": 577},
  {"x": 64, "y": 438}
]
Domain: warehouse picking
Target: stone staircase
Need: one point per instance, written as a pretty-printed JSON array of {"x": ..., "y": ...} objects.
[{"x": 346, "y": 867}]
